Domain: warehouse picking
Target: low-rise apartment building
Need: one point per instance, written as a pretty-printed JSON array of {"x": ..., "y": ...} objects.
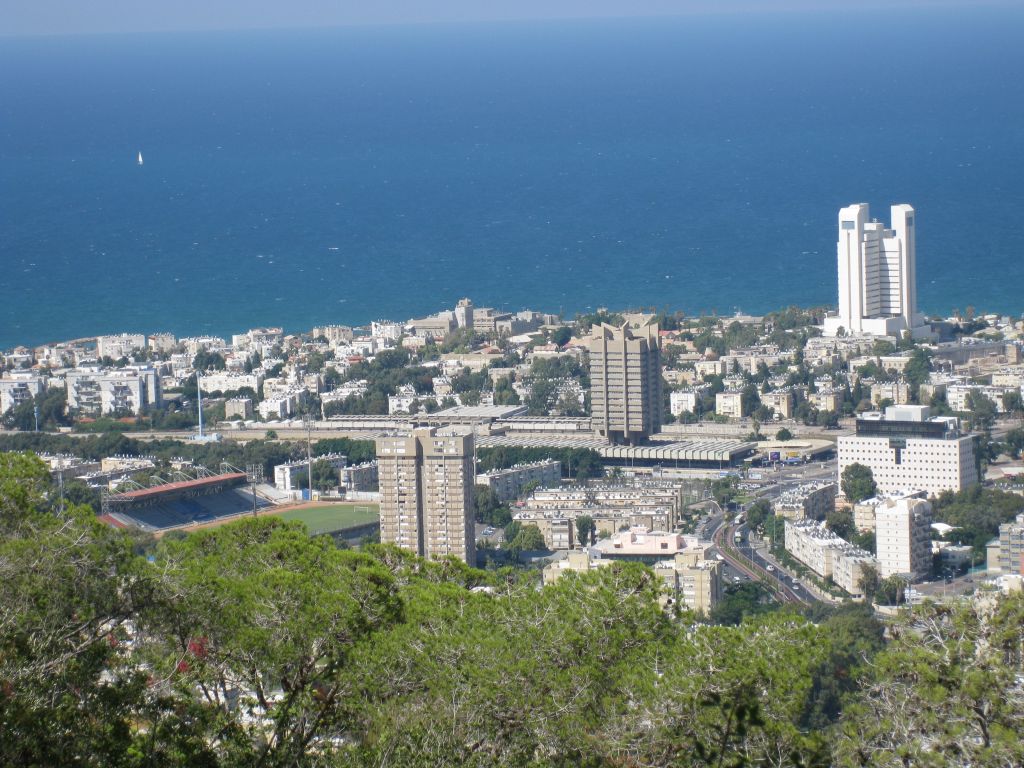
[
  {"x": 813, "y": 544},
  {"x": 780, "y": 401},
  {"x": 730, "y": 404},
  {"x": 121, "y": 345},
  {"x": 509, "y": 483},
  {"x": 17, "y": 388},
  {"x": 810, "y": 501},
  {"x": 692, "y": 580},
  {"x": 98, "y": 392},
  {"x": 897, "y": 392},
  {"x": 360, "y": 477},
  {"x": 286, "y": 475},
  {"x": 1009, "y": 548},
  {"x": 825, "y": 399},
  {"x": 864, "y": 511}
]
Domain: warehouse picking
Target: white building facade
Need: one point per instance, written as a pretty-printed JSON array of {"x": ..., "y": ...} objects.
[
  {"x": 877, "y": 274},
  {"x": 908, "y": 451},
  {"x": 903, "y": 537}
]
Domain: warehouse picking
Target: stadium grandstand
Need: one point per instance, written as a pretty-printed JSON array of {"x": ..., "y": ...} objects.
[{"x": 182, "y": 502}]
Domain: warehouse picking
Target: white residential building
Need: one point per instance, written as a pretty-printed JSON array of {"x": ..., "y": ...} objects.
[
  {"x": 238, "y": 408},
  {"x": 896, "y": 391},
  {"x": 96, "y": 392},
  {"x": 729, "y": 404},
  {"x": 825, "y": 399},
  {"x": 686, "y": 400},
  {"x": 122, "y": 345},
  {"x": 17, "y": 388},
  {"x": 877, "y": 274},
  {"x": 811, "y": 501},
  {"x": 957, "y": 395},
  {"x": 286, "y": 475},
  {"x": 692, "y": 579},
  {"x": 360, "y": 477},
  {"x": 907, "y": 450},
  {"x": 161, "y": 342},
  {"x": 224, "y": 381},
  {"x": 194, "y": 345},
  {"x": 813, "y": 544},
  {"x": 335, "y": 334},
  {"x": 903, "y": 537},
  {"x": 864, "y": 511},
  {"x": 257, "y": 339},
  {"x": 780, "y": 401}
]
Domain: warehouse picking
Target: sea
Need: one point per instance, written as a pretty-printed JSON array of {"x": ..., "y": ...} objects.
[{"x": 304, "y": 177}]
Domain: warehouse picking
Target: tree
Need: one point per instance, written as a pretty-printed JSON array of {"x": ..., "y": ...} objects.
[
  {"x": 946, "y": 691},
  {"x": 981, "y": 412},
  {"x": 1012, "y": 402},
  {"x": 890, "y": 591},
  {"x": 262, "y": 604},
  {"x": 70, "y": 587},
  {"x": 783, "y": 435},
  {"x": 325, "y": 476},
  {"x": 858, "y": 483},
  {"x": 741, "y": 601},
  {"x": 528, "y": 539},
  {"x": 489, "y": 508},
  {"x": 870, "y": 581},
  {"x": 840, "y": 521},
  {"x": 586, "y": 530},
  {"x": 205, "y": 360},
  {"x": 561, "y": 336}
]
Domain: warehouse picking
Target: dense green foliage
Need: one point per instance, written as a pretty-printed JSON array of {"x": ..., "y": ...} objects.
[
  {"x": 52, "y": 405},
  {"x": 976, "y": 513},
  {"x": 267, "y": 453},
  {"x": 254, "y": 644},
  {"x": 858, "y": 483},
  {"x": 489, "y": 509}
]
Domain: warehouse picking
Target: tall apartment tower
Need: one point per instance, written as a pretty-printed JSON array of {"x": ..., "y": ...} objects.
[
  {"x": 625, "y": 381},
  {"x": 426, "y": 493},
  {"x": 903, "y": 537},
  {"x": 877, "y": 274}
]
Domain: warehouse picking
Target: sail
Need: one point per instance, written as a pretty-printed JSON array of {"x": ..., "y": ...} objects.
[{"x": 140, "y": 158}]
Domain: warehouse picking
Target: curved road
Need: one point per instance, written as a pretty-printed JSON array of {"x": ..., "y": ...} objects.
[{"x": 724, "y": 538}]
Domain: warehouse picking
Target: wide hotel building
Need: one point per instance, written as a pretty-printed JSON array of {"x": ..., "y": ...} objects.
[{"x": 907, "y": 450}]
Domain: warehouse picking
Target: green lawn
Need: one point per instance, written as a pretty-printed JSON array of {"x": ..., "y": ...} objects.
[{"x": 334, "y": 517}]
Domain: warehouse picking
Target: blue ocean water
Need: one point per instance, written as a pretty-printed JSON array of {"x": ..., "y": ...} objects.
[{"x": 297, "y": 178}]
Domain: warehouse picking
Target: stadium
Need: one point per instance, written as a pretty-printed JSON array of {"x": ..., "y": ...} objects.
[{"x": 185, "y": 502}]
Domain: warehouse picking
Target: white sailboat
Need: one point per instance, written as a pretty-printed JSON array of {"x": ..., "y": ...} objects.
[{"x": 140, "y": 158}]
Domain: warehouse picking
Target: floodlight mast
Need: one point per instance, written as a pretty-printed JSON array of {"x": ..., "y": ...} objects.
[{"x": 199, "y": 394}]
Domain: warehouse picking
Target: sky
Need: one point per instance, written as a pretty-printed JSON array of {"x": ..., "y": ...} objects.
[{"x": 59, "y": 17}]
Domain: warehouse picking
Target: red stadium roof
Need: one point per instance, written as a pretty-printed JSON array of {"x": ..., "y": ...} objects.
[{"x": 183, "y": 485}]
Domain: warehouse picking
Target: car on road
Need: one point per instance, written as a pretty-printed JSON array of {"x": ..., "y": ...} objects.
[
  {"x": 771, "y": 568},
  {"x": 488, "y": 531}
]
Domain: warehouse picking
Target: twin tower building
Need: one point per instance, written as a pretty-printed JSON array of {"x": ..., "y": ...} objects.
[{"x": 877, "y": 275}]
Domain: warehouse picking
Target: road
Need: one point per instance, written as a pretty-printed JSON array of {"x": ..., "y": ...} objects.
[{"x": 749, "y": 563}]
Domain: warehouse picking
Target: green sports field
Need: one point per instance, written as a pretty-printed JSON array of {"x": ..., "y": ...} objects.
[{"x": 328, "y": 518}]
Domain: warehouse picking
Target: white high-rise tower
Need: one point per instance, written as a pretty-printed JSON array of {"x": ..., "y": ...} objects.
[{"x": 877, "y": 274}]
